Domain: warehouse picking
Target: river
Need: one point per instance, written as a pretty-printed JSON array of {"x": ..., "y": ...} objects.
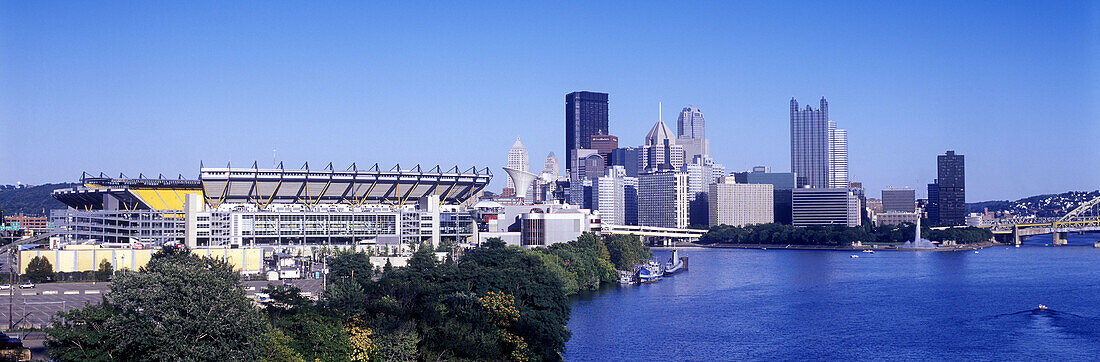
[{"x": 737, "y": 304}]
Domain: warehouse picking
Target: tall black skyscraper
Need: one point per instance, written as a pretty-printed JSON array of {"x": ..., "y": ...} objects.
[
  {"x": 585, "y": 115},
  {"x": 951, "y": 189},
  {"x": 933, "y": 206}
]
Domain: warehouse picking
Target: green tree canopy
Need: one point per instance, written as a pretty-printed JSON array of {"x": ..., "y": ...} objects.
[
  {"x": 105, "y": 271},
  {"x": 82, "y": 334},
  {"x": 179, "y": 306},
  {"x": 626, "y": 251},
  {"x": 352, "y": 265},
  {"x": 39, "y": 270}
]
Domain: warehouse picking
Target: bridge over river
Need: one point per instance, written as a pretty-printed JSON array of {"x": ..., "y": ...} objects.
[{"x": 1082, "y": 219}]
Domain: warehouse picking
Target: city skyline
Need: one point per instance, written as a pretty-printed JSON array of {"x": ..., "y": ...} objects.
[{"x": 140, "y": 84}]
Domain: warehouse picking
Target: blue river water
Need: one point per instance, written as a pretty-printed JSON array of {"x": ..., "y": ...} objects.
[{"x": 738, "y": 304}]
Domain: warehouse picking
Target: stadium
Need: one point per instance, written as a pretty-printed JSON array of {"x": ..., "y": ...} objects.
[{"x": 238, "y": 207}]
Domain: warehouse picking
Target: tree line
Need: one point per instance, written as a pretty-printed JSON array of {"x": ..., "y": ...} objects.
[
  {"x": 495, "y": 302},
  {"x": 779, "y": 234}
]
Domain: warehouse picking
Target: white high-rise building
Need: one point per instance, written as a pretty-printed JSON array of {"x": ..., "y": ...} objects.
[
  {"x": 660, "y": 152},
  {"x": 838, "y": 157},
  {"x": 518, "y": 160},
  {"x": 615, "y": 196},
  {"x": 700, "y": 176},
  {"x": 663, "y": 199},
  {"x": 718, "y": 171},
  {"x": 737, "y": 204}
]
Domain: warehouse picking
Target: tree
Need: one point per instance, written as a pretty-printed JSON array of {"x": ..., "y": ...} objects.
[
  {"x": 626, "y": 251},
  {"x": 494, "y": 242},
  {"x": 284, "y": 299},
  {"x": 316, "y": 335},
  {"x": 39, "y": 270},
  {"x": 105, "y": 271},
  {"x": 350, "y": 265},
  {"x": 82, "y": 334},
  {"x": 398, "y": 345},
  {"x": 179, "y": 306},
  {"x": 345, "y": 296},
  {"x": 544, "y": 308},
  {"x": 276, "y": 347},
  {"x": 360, "y": 340}
]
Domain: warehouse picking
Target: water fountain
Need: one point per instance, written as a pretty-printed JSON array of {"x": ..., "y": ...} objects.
[{"x": 917, "y": 241}]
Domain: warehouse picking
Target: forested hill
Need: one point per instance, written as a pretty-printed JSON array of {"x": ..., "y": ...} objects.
[
  {"x": 32, "y": 201},
  {"x": 1039, "y": 205}
]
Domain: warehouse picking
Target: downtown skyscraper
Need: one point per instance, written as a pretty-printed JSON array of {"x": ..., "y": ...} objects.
[
  {"x": 819, "y": 151},
  {"x": 950, "y": 190},
  {"x": 691, "y": 133},
  {"x": 585, "y": 116},
  {"x": 810, "y": 144},
  {"x": 838, "y": 157},
  {"x": 691, "y": 124},
  {"x": 518, "y": 160}
]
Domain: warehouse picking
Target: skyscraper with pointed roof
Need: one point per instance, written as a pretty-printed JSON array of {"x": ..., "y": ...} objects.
[
  {"x": 518, "y": 160},
  {"x": 550, "y": 167},
  {"x": 660, "y": 152}
]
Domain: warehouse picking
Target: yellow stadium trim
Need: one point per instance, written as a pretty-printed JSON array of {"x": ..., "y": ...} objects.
[{"x": 155, "y": 200}]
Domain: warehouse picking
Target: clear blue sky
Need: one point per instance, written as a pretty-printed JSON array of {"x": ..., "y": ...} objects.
[{"x": 156, "y": 87}]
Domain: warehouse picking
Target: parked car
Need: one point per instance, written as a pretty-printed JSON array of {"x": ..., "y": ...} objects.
[
  {"x": 27, "y": 285},
  {"x": 5, "y": 287}
]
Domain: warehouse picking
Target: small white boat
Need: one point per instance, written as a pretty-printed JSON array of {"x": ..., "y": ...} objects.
[
  {"x": 854, "y": 256},
  {"x": 869, "y": 251},
  {"x": 1017, "y": 245},
  {"x": 1042, "y": 307},
  {"x": 626, "y": 279},
  {"x": 975, "y": 251}
]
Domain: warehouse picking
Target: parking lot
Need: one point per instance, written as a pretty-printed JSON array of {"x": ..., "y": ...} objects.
[{"x": 31, "y": 308}]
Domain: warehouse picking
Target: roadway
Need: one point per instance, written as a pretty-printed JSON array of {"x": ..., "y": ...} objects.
[{"x": 34, "y": 307}]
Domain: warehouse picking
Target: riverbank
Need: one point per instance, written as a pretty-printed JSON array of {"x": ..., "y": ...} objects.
[{"x": 966, "y": 247}]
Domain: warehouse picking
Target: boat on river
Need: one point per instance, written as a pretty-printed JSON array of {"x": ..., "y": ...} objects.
[
  {"x": 649, "y": 274},
  {"x": 674, "y": 264},
  {"x": 626, "y": 278}
]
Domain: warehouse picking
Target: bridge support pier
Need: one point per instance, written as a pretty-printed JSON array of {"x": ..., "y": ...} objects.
[{"x": 1059, "y": 238}]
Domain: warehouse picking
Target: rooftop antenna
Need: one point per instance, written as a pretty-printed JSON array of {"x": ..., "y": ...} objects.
[
  {"x": 273, "y": 150},
  {"x": 660, "y": 117}
]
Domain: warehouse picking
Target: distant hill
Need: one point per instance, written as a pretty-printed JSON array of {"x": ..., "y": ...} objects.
[
  {"x": 1051, "y": 205},
  {"x": 32, "y": 200}
]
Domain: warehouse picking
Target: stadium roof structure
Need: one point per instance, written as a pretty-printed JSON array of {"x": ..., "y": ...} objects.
[
  {"x": 141, "y": 193},
  {"x": 263, "y": 187},
  {"x": 355, "y": 187}
]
